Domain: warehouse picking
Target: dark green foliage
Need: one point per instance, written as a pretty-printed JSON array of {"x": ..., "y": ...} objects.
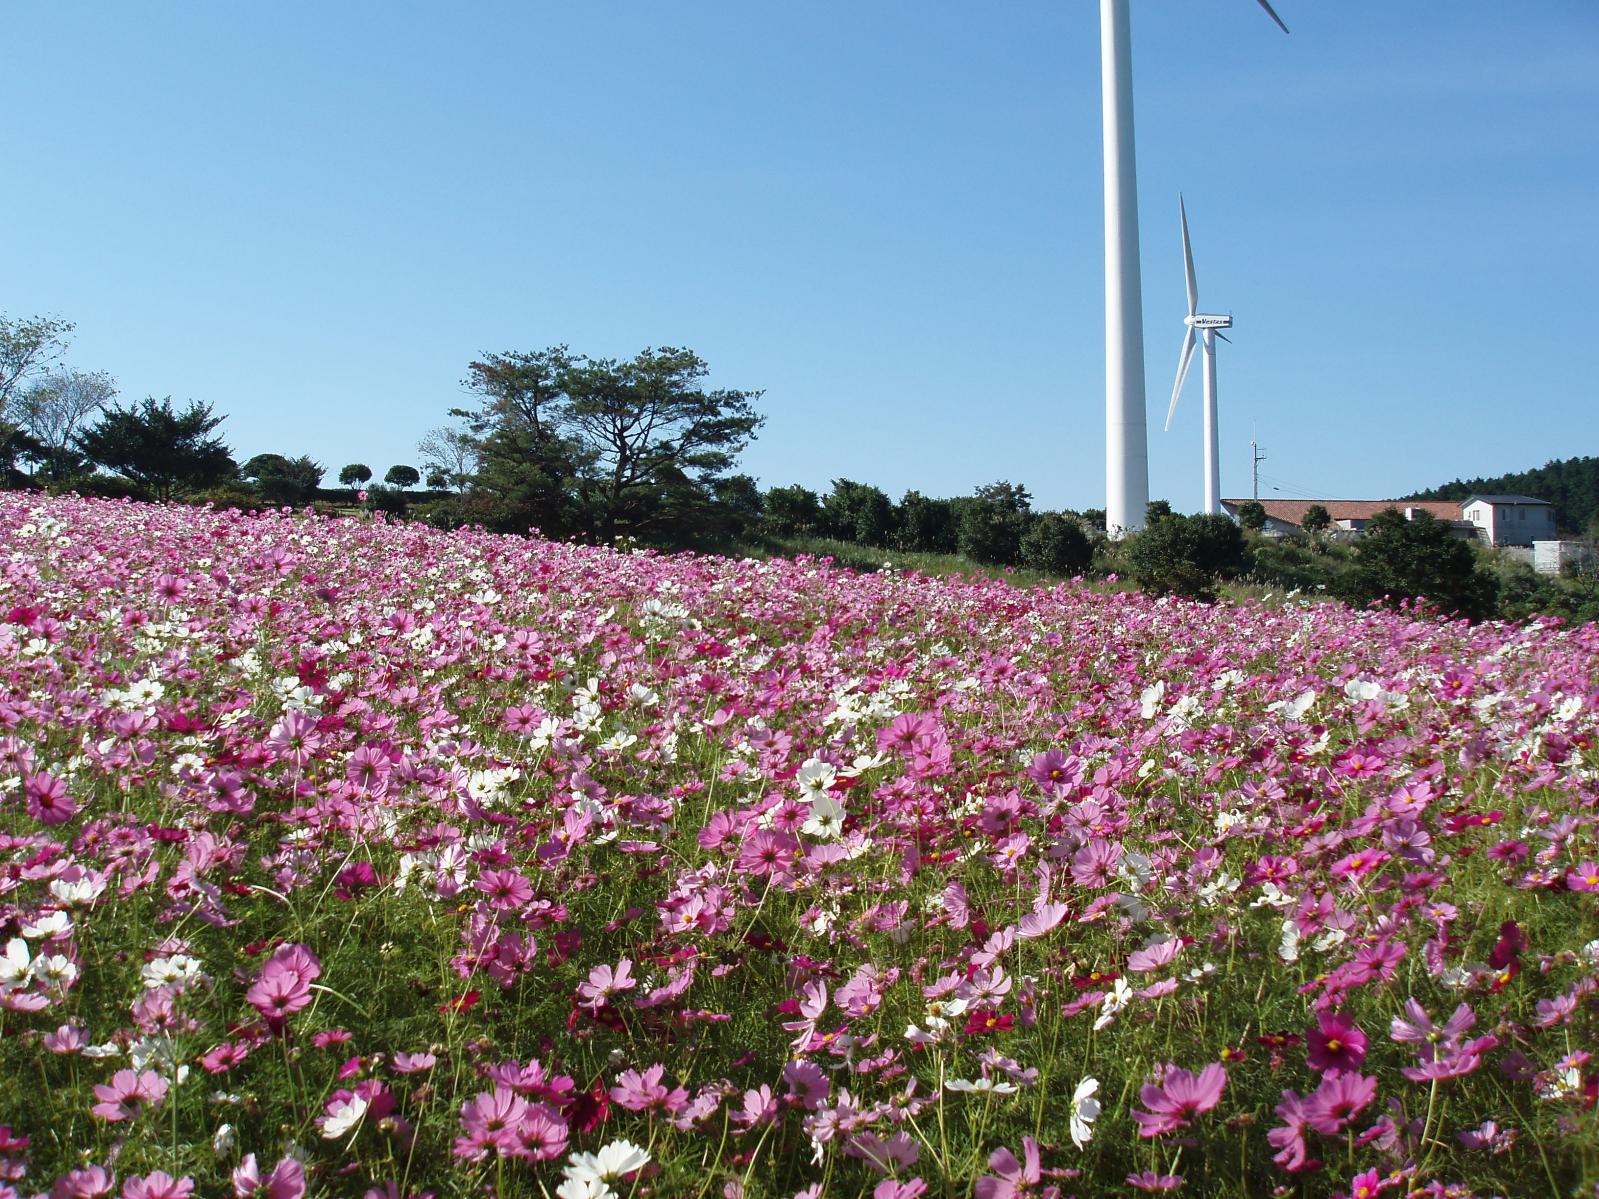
[
  {"x": 1299, "y": 563},
  {"x": 603, "y": 448},
  {"x": 1187, "y": 555},
  {"x": 793, "y": 511},
  {"x": 1252, "y": 515},
  {"x": 1316, "y": 519},
  {"x": 740, "y": 507},
  {"x": 283, "y": 480},
  {"x": 355, "y": 474},
  {"x": 390, "y": 500},
  {"x": 1398, "y": 559},
  {"x": 991, "y": 523},
  {"x": 858, "y": 512},
  {"x": 1157, "y": 510},
  {"x": 403, "y": 477},
  {"x": 1057, "y": 545},
  {"x": 925, "y": 525},
  {"x": 1570, "y": 484},
  {"x": 164, "y": 451}
]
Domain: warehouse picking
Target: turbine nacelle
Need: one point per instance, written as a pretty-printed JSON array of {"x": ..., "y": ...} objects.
[{"x": 1209, "y": 320}]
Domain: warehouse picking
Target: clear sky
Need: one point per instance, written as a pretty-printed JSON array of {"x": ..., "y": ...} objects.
[{"x": 887, "y": 215}]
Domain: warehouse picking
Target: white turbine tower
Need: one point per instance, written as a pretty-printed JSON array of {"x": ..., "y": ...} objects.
[
  {"x": 1208, "y": 323},
  {"x": 1126, "y": 433}
]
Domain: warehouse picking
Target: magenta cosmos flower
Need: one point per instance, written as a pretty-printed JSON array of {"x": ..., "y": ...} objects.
[
  {"x": 1179, "y": 1096},
  {"x": 1335, "y": 1045}
]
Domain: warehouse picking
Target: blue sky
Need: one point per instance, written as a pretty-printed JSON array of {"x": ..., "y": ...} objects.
[{"x": 887, "y": 215}]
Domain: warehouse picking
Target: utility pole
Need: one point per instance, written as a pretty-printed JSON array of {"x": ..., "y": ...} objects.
[{"x": 1259, "y": 456}]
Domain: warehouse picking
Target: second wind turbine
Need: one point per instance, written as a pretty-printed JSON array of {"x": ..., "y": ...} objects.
[{"x": 1209, "y": 324}]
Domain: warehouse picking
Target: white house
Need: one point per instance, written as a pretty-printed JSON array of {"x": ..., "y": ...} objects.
[{"x": 1510, "y": 519}]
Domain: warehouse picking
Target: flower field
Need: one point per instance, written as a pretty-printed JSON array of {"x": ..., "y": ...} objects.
[{"x": 340, "y": 857}]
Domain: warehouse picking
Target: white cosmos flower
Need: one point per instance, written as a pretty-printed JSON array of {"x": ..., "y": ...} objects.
[
  {"x": 574, "y": 1188},
  {"x": 1085, "y": 1110},
  {"x": 1115, "y": 1000},
  {"x": 815, "y": 777},
  {"x": 343, "y": 1115},
  {"x": 14, "y": 963},
  {"x": 47, "y": 926},
  {"x": 826, "y": 820},
  {"x": 611, "y": 1162},
  {"x": 981, "y": 1085},
  {"x": 1149, "y": 700}
]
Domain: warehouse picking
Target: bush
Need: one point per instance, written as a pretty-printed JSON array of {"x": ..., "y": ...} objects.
[
  {"x": 1056, "y": 545},
  {"x": 858, "y": 512},
  {"x": 1186, "y": 555},
  {"x": 103, "y": 487},
  {"x": 388, "y": 500},
  {"x": 1398, "y": 559},
  {"x": 925, "y": 525},
  {"x": 992, "y": 522},
  {"x": 793, "y": 512}
]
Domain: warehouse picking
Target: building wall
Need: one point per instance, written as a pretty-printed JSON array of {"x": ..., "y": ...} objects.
[{"x": 1512, "y": 524}]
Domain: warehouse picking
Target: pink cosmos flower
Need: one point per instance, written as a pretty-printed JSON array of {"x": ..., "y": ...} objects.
[
  {"x": 641, "y": 1092},
  {"x": 1335, "y": 1045},
  {"x": 157, "y": 1185},
  {"x": 286, "y": 1181},
  {"x": 507, "y": 890},
  {"x": 86, "y": 1182},
  {"x": 603, "y": 982},
  {"x": 1584, "y": 877},
  {"x": 128, "y": 1095},
  {"x": 1415, "y": 1026},
  {"x": 1289, "y": 1139},
  {"x": 1153, "y": 1182},
  {"x": 543, "y": 1133},
  {"x": 1179, "y": 1096},
  {"x": 284, "y": 985},
  {"x": 47, "y": 799},
  {"x": 1014, "y": 1177},
  {"x": 491, "y": 1123},
  {"x": 1333, "y": 1106},
  {"x": 414, "y": 1063}
]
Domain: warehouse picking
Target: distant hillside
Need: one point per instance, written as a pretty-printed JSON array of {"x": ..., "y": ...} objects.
[{"x": 1571, "y": 485}]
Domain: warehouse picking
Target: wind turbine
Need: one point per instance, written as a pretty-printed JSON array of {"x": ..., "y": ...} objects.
[
  {"x": 1126, "y": 432},
  {"x": 1209, "y": 323}
]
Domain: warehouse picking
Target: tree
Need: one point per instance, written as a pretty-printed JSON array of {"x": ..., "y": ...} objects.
[
  {"x": 603, "y": 447},
  {"x": 354, "y": 474},
  {"x": 403, "y": 477},
  {"x": 1398, "y": 559},
  {"x": 1252, "y": 515},
  {"x": 1186, "y": 555},
  {"x": 163, "y": 451},
  {"x": 54, "y": 407},
  {"x": 858, "y": 512},
  {"x": 991, "y": 523},
  {"x": 645, "y": 424},
  {"x": 1316, "y": 519},
  {"x": 1157, "y": 510},
  {"x": 925, "y": 525},
  {"x": 28, "y": 345},
  {"x": 283, "y": 480},
  {"x": 1056, "y": 545},
  {"x": 793, "y": 511},
  {"x": 450, "y": 454}
]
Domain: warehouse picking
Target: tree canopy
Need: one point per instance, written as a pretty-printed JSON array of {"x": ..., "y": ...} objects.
[
  {"x": 604, "y": 447},
  {"x": 162, "y": 450}
]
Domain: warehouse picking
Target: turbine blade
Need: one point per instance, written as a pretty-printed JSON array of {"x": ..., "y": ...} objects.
[
  {"x": 1182, "y": 373},
  {"x": 1224, "y": 337},
  {"x": 1270, "y": 12},
  {"x": 1188, "y": 260}
]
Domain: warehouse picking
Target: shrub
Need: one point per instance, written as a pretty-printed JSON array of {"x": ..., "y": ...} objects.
[
  {"x": 1056, "y": 545},
  {"x": 1398, "y": 559},
  {"x": 1186, "y": 555}
]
